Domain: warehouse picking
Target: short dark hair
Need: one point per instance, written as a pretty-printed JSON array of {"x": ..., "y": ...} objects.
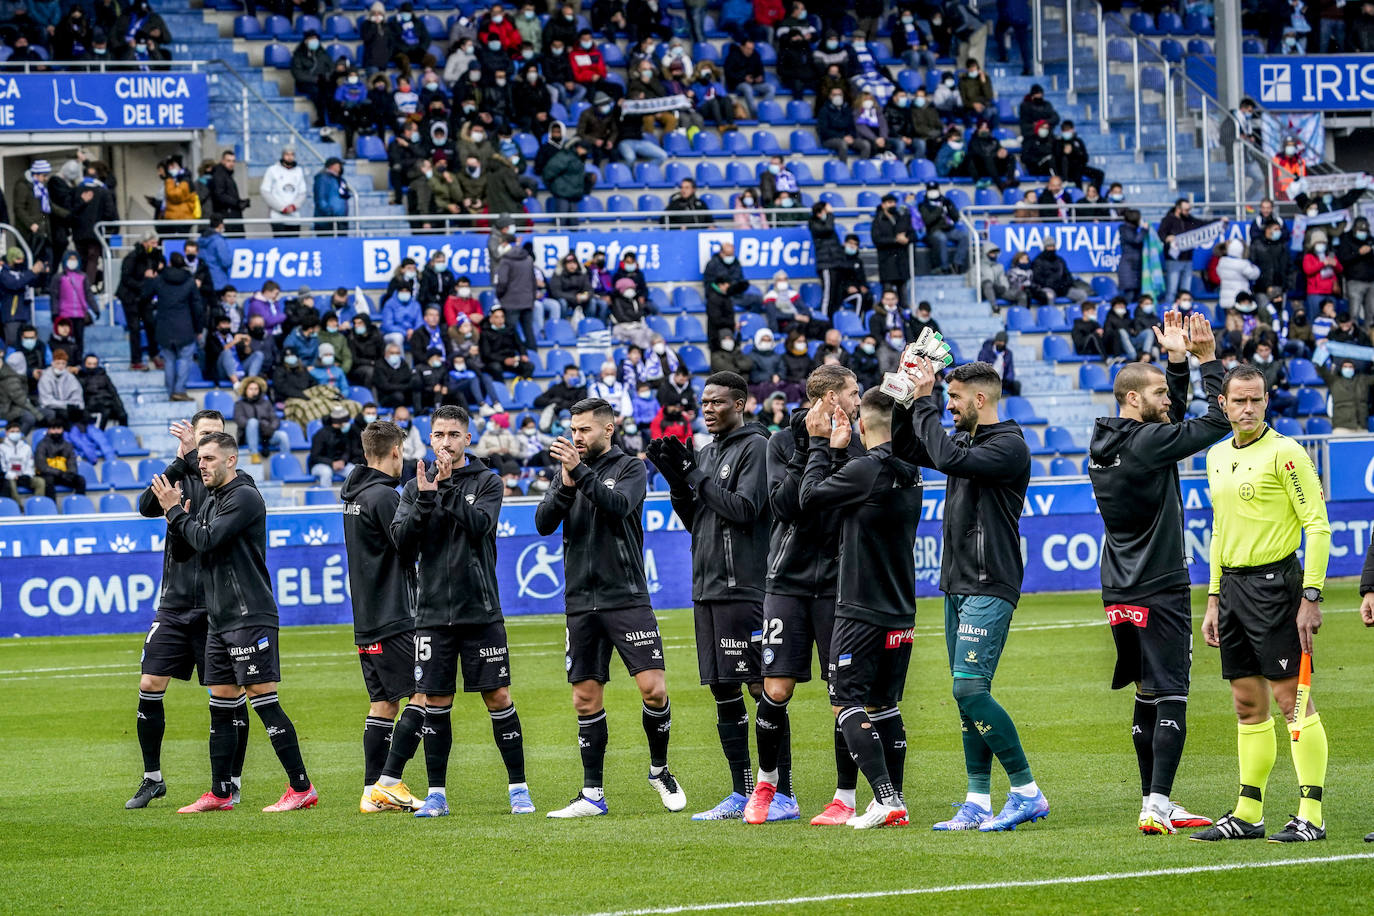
[
  {"x": 380, "y": 438},
  {"x": 739, "y": 388},
  {"x": 599, "y": 408},
  {"x": 452, "y": 412},
  {"x": 876, "y": 408},
  {"x": 225, "y": 441},
  {"x": 1239, "y": 374},
  {"x": 206, "y": 415},
  {"x": 826, "y": 378},
  {"x": 980, "y": 375},
  {"x": 1134, "y": 377}
]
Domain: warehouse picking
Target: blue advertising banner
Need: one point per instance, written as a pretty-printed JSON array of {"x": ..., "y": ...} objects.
[
  {"x": 1329, "y": 82},
  {"x": 104, "y": 101},
  {"x": 1086, "y": 247},
  {"x": 1355, "y": 459},
  {"x": 664, "y": 255},
  {"x": 45, "y": 592}
]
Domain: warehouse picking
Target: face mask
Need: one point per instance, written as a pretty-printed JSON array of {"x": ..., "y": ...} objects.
[
  {"x": 919, "y": 101},
  {"x": 728, "y": 259},
  {"x": 352, "y": 80},
  {"x": 786, "y": 202},
  {"x": 498, "y": 18},
  {"x": 527, "y": 54},
  {"x": 629, "y": 293},
  {"x": 332, "y": 328},
  {"x": 291, "y": 359},
  {"x": 28, "y": 343},
  {"x": 142, "y": 49},
  {"x": 956, "y": 144},
  {"x": 1319, "y": 250},
  {"x": 1311, "y": 211},
  {"x": 660, "y": 349},
  {"x": 431, "y": 86},
  {"x": 393, "y": 360},
  {"x": 934, "y": 195},
  {"x": 765, "y": 346},
  {"x": 1263, "y": 360},
  {"x": 895, "y": 343},
  {"x": 72, "y": 263},
  {"x": 528, "y": 14},
  {"x": 851, "y": 250},
  {"x": 571, "y": 381},
  {"x": 436, "y": 363},
  {"x": 1347, "y": 372},
  {"x": 475, "y": 171},
  {"x": 1275, "y": 236},
  {"x": 1290, "y": 150},
  {"x": 608, "y": 379},
  {"x": 464, "y": 292},
  {"x": 586, "y": 45},
  {"x": 478, "y": 136},
  {"x": 359, "y": 329},
  {"x": 326, "y": 360},
  {"x": 405, "y": 17},
  {"x": 949, "y": 84},
  {"x": 868, "y": 348},
  {"x": 831, "y": 45},
  {"x": 532, "y": 78},
  {"x": 1120, "y": 313},
  {"x": 556, "y": 52},
  {"x": 907, "y": 20},
  {"x": 774, "y": 168},
  {"x": 727, "y": 344},
  {"x": 902, "y": 102},
  {"x": 1184, "y": 305},
  {"x": 1068, "y": 135},
  {"x": 1361, "y": 235},
  {"x": 500, "y": 81},
  {"x": 17, "y": 436},
  {"x": 1043, "y": 132},
  {"x": 644, "y": 393},
  {"x": 403, "y": 296},
  {"x": 1147, "y": 307},
  {"x": 837, "y": 100}
]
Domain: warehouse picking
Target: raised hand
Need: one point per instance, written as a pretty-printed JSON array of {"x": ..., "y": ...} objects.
[
  {"x": 185, "y": 434},
  {"x": 1173, "y": 338},
  {"x": 1201, "y": 342},
  {"x": 843, "y": 429},
  {"x": 422, "y": 481},
  {"x": 168, "y": 494}
]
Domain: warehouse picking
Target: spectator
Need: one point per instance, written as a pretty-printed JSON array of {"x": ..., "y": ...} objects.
[
  {"x": 62, "y": 338},
  {"x": 103, "y": 404},
  {"x": 888, "y": 315},
  {"x": 16, "y": 406},
  {"x": 1033, "y": 109},
  {"x": 1116, "y": 330},
  {"x": 256, "y": 418},
  {"x": 589, "y": 66},
  {"x": 401, "y": 314},
  {"x": 291, "y": 379},
  {"x": 305, "y": 339},
  {"x": 837, "y": 131},
  {"x": 748, "y": 213},
  {"x": 633, "y": 144},
  {"x": 725, "y": 357},
  {"x": 997, "y": 354},
  {"x": 437, "y": 282},
  {"x": 567, "y": 178},
  {"x": 603, "y": 286},
  {"x": 922, "y": 320},
  {"x": 745, "y": 77},
  {"x": 996, "y": 286},
  {"x": 796, "y": 357},
  {"x": 1038, "y": 149},
  {"x": 137, "y": 270},
  {"x": 1055, "y": 195},
  {"x": 1051, "y": 277},
  {"x": 560, "y": 396},
  {"x": 951, "y": 161},
  {"x": 829, "y": 256},
  {"x": 686, "y": 202},
  {"x": 941, "y": 219},
  {"x": 1242, "y": 125},
  {"x": 463, "y": 387},
  {"x": 1235, "y": 273},
  {"x": 766, "y": 376},
  {"x": 72, "y": 297},
  {"x": 1139, "y": 338},
  {"x": 1345, "y": 331},
  {"x": 1349, "y": 390},
  {"x": 796, "y": 67},
  {"x": 713, "y": 101},
  {"x": 598, "y": 127},
  {"x": 312, "y": 70},
  {"x": 660, "y": 359},
  {"x": 989, "y": 161},
  {"x": 671, "y": 421},
  {"x": 612, "y": 390},
  {"x": 644, "y": 404},
  {"x": 831, "y": 351},
  {"x": 557, "y": 68},
  {"x": 332, "y": 195},
  {"x": 783, "y": 306},
  {"x": 59, "y": 393},
  {"x": 871, "y": 124},
  {"x": 1087, "y": 334},
  {"x": 1178, "y": 264},
  {"x": 34, "y": 211},
  {"x": 216, "y": 255},
  {"x": 179, "y": 322},
  {"x": 514, "y": 284},
  {"x": 179, "y": 198},
  {"x": 627, "y": 315},
  {"x": 894, "y": 235},
  {"x": 901, "y": 127},
  {"x": 17, "y": 457},
  {"x": 428, "y": 336},
  {"x": 1071, "y": 157},
  {"x": 326, "y": 370},
  {"x": 329, "y": 447},
  {"x": 31, "y": 358},
  {"x": 56, "y": 461},
  {"x": 351, "y": 107},
  {"x": 407, "y": 40},
  {"x": 393, "y": 379},
  {"x": 1324, "y": 321},
  {"x": 1322, "y": 269},
  {"x": 724, "y": 271},
  {"x": 676, "y": 391},
  {"x": 925, "y": 121},
  {"x": 571, "y": 285},
  {"x": 225, "y": 201},
  {"x": 498, "y": 446},
  {"x": 503, "y": 353},
  {"x": 1128, "y": 269},
  {"x": 533, "y": 100},
  {"x": 1281, "y": 400},
  {"x": 367, "y": 347},
  {"x": 909, "y": 40},
  {"x": 633, "y": 369},
  {"x": 1356, "y": 256},
  {"x": 283, "y": 193},
  {"x": 976, "y": 94}
]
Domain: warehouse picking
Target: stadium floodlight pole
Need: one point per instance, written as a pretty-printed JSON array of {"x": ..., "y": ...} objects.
[
  {"x": 1207, "y": 155},
  {"x": 1135, "y": 68},
  {"x": 1170, "y": 130}
]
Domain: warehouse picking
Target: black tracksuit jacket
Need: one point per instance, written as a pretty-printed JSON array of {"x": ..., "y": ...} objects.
[
  {"x": 724, "y": 503},
  {"x": 878, "y": 498},
  {"x": 1134, "y": 470},
  {"x": 984, "y": 494},
  {"x": 182, "y": 599},
  {"x": 603, "y": 538},
  {"x": 382, "y": 578},
  {"x": 453, "y": 531}
]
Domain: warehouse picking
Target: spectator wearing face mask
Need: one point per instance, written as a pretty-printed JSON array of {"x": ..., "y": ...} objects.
[
  {"x": 1349, "y": 390},
  {"x": 55, "y": 461},
  {"x": 989, "y": 161},
  {"x": 1089, "y": 337},
  {"x": 744, "y": 76},
  {"x": 727, "y": 357},
  {"x": 1071, "y": 157},
  {"x": 941, "y": 219},
  {"x": 901, "y": 128},
  {"x": 749, "y": 213},
  {"x": 612, "y": 390},
  {"x": 1038, "y": 149},
  {"x": 393, "y": 379},
  {"x": 1033, "y": 109},
  {"x": 1051, "y": 277},
  {"x": 997, "y": 354},
  {"x": 829, "y": 255},
  {"x": 894, "y": 235},
  {"x": 429, "y": 335},
  {"x": 598, "y": 127},
  {"x": 1288, "y": 164},
  {"x": 785, "y": 310},
  {"x": 1356, "y": 254},
  {"x": 17, "y": 457},
  {"x": 910, "y": 41},
  {"x": 103, "y": 403},
  {"x": 401, "y": 314},
  {"x": 796, "y": 358},
  {"x": 329, "y": 447},
  {"x": 367, "y": 347},
  {"x": 1275, "y": 371},
  {"x": 951, "y": 161},
  {"x": 1322, "y": 269},
  {"x": 1141, "y": 332},
  {"x": 588, "y": 65},
  {"x": 766, "y": 376},
  {"x": 628, "y": 314},
  {"x": 724, "y": 274},
  {"x": 326, "y": 370},
  {"x": 837, "y": 131},
  {"x": 283, "y": 191},
  {"x": 1128, "y": 269},
  {"x": 976, "y": 95},
  {"x": 1235, "y": 272},
  {"x": 995, "y": 286}
]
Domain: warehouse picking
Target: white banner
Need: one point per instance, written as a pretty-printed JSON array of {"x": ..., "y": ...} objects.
[
  {"x": 1337, "y": 183},
  {"x": 1196, "y": 238},
  {"x": 654, "y": 106}
]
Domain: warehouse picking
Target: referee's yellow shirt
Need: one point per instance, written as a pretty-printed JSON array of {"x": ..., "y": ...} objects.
[{"x": 1264, "y": 496}]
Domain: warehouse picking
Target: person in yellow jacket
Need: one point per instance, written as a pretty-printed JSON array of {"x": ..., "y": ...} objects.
[{"x": 179, "y": 197}]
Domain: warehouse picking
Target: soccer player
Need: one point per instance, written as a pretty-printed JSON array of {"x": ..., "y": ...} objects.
[
  {"x": 799, "y": 606},
  {"x": 878, "y": 496},
  {"x": 721, "y": 496},
  {"x": 449, "y": 520},
  {"x": 598, "y": 498},
  {"x": 175, "y": 645},
  {"x": 1145, "y": 590},
  {"x": 383, "y": 585},
  {"x": 1263, "y": 607},
  {"x": 229, "y": 534},
  {"x": 987, "y": 465}
]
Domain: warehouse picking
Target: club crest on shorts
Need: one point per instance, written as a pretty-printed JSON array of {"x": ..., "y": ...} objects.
[
  {"x": 418, "y": 671},
  {"x": 768, "y": 656}
]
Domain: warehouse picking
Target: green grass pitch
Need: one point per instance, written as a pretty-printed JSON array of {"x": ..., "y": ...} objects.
[{"x": 70, "y": 759}]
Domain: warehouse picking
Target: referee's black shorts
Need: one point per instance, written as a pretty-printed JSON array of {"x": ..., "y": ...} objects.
[
  {"x": 1258, "y": 620},
  {"x": 1154, "y": 642}
]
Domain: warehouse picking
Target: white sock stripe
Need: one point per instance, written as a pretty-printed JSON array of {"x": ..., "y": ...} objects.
[
  {"x": 155, "y": 696},
  {"x": 438, "y": 710},
  {"x": 222, "y": 703},
  {"x": 241, "y": 701},
  {"x": 262, "y": 699},
  {"x": 849, "y": 713},
  {"x": 503, "y": 713},
  {"x": 765, "y": 698},
  {"x": 591, "y": 720},
  {"x": 379, "y": 722},
  {"x": 884, "y": 714},
  {"x": 657, "y": 712},
  {"x": 1148, "y": 701},
  {"x": 1172, "y": 699}
]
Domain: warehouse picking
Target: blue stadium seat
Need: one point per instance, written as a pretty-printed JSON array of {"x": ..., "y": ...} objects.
[
  {"x": 590, "y": 326},
  {"x": 124, "y": 442},
  {"x": 1288, "y": 426},
  {"x": 1064, "y": 467},
  {"x": 590, "y": 363},
  {"x": 558, "y": 359},
  {"x": 610, "y": 53},
  {"x": 112, "y": 503},
  {"x": 617, "y": 175},
  {"x": 321, "y": 496},
  {"x": 865, "y": 172},
  {"x": 1020, "y": 319},
  {"x": 277, "y": 55},
  {"x": 591, "y": 204},
  {"x": 1104, "y": 286},
  {"x": 1302, "y": 372},
  {"x": 1021, "y": 410},
  {"x": 802, "y": 142},
  {"x": 1318, "y": 426},
  {"x": 799, "y": 112},
  {"x": 340, "y": 27},
  {"x": 119, "y": 475},
  {"x": 674, "y": 172},
  {"x": 650, "y": 203},
  {"x": 660, "y": 325},
  {"x": 690, "y": 330},
  {"x": 147, "y": 468},
  {"x": 39, "y": 505},
  {"x": 1171, "y": 50},
  {"x": 922, "y": 169},
  {"x": 1038, "y": 468},
  {"x": 739, "y": 175},
  {"x": 688, "y": 299},
  {"x": 277, "y": 26},
  {"x": 522, "y": 397},
  {"x": 294, "y": 435},
  {"x": 287, "y": 469},
  {"x": 708, "y": 173},
  {"x": 247, "y": 27},
  {"x": 1051, "y": 318},
  {"x": 707, "y": 143},
  {"x": 649, "y": 175},
  {"x": 1142, "y": 23},
  {"x": 764, "y": 142},
  {"x": 850, "y": 324},
  {"x": 1169, "y": 23},
  {"x": 1060, "y": 350},
  {"x": 371, "y": 148},
  {"x": 694, "y": 359},
  {"x": 9, "y": 508},
  {"x": 620, "y": 203},
  {"x": 1061, "y": 440},
  {"x": 77, "y": 505},
  {"x": 561, "y": 332},
  {"x": 1033, "y": 441},
  {"x": 1093, "y": 377},
  {"x": 1311, "y": 401},
  {"x": 222, "y": 401},
  {"x": 802, "y": 172}
]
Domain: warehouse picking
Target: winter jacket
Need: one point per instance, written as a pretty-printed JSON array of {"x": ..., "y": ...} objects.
[
  {"x": 1322, "y": 280},
  {"x": 71, "y": 295},
  {"x": 394, "y": 387},
  {"x": 603, "y": 541},
  {"x": 724, "y": 503},
  {"x": 453, "y": 532},
  {"x": 98, "y": 392},
  {"x": 273, "y": 312},
  {"x": 332, "y": 194},
  {"x": 1235, "y": 272},
  {"x": 261, "y": 409},
  {"x": 179, "y": 197},
  {"x": 505, "y": 193},
  {"x": 57, "y": 390},
  {"x": 400, "y": 317},
  {"x": 1050, "y": 271},
  {"x": 16, "y": 458},
  {"x": 894, "y": 265},
  {"x": 224, "y": 195},
  {"x": 1134, "y": 472},
  {"x": 229, "y": 534},
  {"x": 282, "y": 187},
  {"x": 565, "y": 175},
  {"x": 14, "y": 394},
  {"x": 179, "y": 312},
  {"x": 514, "y": 282},
  {"x": 383, "y": 579},
  {"x": 1349, "y": 398},
  {"x": 217, "y": 256},
  {"x": 182, "y": 596},
  {"x": 825, "y": 243},
  {"x": 1132, "y": 255}
]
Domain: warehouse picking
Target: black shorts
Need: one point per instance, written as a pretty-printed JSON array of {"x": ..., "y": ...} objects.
[
  {"x": 728, "y": 637},
  {"x": 175, "y": 648},
  {"x": 479, "y": 647},
  {"x": 245, "y": 656},
  {"x": 868, "y": 667},
  {"x": 1154, "y": 642},
  {"x": 590, "y": 636},
  {"x": 791, "y": 626},
  {"x": 1258, "y": 620},
  {"x": 389, "y": 667}
]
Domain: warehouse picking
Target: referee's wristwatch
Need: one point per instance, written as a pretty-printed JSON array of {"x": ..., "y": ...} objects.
[{"x": 1312, "y": 594}]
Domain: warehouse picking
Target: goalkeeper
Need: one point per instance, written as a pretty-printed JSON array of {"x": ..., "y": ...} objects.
[{"x": 988, "y": 467}]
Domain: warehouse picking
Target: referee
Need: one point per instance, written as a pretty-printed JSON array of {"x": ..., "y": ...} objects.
[
  {"x": 721, "y": 496},
  {"x": 878, "y": 497},
  {"x": 1133, "y": 464},
  {"x": 1263, "y": 607},
  {"x": 799, "y": 605},
  {"x": 229, "y": 534},
  {"x": 598, "y": 498}
]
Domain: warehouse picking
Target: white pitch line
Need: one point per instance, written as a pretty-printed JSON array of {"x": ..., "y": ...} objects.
[{"x": 995, "y": 885}]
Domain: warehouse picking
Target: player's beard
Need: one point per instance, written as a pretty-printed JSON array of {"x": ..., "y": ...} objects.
[
  {"x": 966, "y": 423},
  {"x": 1155, "y": 414},
  {"x": 594, "y": 450}
]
